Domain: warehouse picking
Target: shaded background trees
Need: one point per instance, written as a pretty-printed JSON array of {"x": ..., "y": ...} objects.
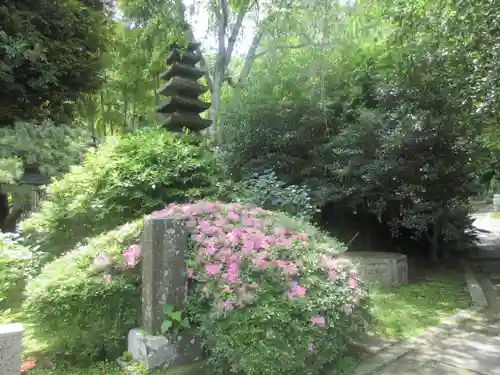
[{"x": 385, "y": 111}]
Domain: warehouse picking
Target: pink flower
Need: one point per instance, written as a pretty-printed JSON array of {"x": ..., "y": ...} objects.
[
  {"x": 296, "y": 290},
  {"x": 318, "y": 320},
  {"x": 132, "y": 255},
  {"x": 212, "y": 269},
  {"x": 302, "y": 236},
  {"x": 332, "y": 275},
  {"x": 327, "y": 262},
  {"x": 248, "y": 246},
  {"x": 260, "y": 263},
  {"x": 353, "y": 283},
  {"x": 101, "y": 261},
  {"x": 232, "y": 216},
  {"x": 285, "y": 243},
  {"x": 232, "y": 273},
  {"x": 226, "y": 305},
  {"x": 233, "y": 237},
  {"x": 210, "y": 250}
]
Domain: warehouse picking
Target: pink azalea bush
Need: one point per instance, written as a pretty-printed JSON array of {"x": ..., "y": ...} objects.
[{"x": 272, "y": 295}]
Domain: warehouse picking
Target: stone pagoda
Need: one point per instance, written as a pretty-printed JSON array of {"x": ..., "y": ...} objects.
[{"x": 182, "y": 108}]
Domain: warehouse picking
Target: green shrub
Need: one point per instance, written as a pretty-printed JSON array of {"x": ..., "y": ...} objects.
[
  {"x": 272, "y": 298},
  {"x": 270, "y": 295},
  {"x": 124, "y": 179},
  {"x": 267, "y": 191},
  {"x": 17, "y": 264},
  {"x": 76, "y": 309}
]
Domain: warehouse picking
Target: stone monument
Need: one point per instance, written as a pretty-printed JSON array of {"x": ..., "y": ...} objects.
[
  {"x": 496, "y": 203},
  {"x": 182, "y": 108},
  {"x": 11, "y": 336},
  {"x": 164, "y": 281},
  {"x": 383, "y": 268}
]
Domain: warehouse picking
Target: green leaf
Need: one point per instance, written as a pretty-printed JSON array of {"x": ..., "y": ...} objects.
[
  {"x": 176, "y": 316},
  {"x": 185, "y": 323},
  {"x": 166, "y": 325},
  {"x": 167, "y": 309}
]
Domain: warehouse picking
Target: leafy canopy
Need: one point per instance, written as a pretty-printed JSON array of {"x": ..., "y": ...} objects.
[{"x": 50, "y": 51}]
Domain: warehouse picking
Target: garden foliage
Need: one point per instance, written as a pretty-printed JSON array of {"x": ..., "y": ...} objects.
[
  {"x": 17, "y": 265},
  {"x": 270, "y": 294},
  {"x": 125, "y": 178},
  {"x": 77, "y": 311},
  {"x": 267, "y": 191},
  {"x": 50, "y": 55},
  {"x": 382, "y": 130}
]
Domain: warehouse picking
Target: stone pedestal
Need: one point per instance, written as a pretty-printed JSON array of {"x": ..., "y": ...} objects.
[
  {"x": 159, "y": 352},
  {"x": 383, "y": 268},
  {"x": 11, "y": 336}
]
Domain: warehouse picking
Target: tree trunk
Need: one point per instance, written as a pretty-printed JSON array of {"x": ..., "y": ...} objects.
[
  {"x": 4, "y": 210},
  {"x": 436, "y": 230},
  {"x": 91, "y": 128}
]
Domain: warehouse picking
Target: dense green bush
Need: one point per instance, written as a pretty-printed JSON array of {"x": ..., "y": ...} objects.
[
  {"x": 76, "y": 309},
  {"x": 16, "y": 266},
  {"x": 266, "y": 190},
  {"x": 380, "y": 134},
  {"x": 124, "y": 179}
]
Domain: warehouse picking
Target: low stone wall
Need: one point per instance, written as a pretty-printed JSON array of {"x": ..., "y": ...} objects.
[{"x": 383, "y": 268}]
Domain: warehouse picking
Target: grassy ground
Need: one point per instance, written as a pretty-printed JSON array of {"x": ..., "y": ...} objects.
[
  {"x": 495, "y": 215},
  {"x": 98, "y": 369},
  {"x": 399, "y": 312},
  {"x": 405, "y": 311}
]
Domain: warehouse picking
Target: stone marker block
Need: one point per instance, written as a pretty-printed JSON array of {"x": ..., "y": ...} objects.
[
  {"x": 384, "y": 268},
  {"x": 11, "y": 336},
  {"x": 155, "y": 352},
  {"x": 496, "y": 202},
  {"x": 164, "y": 279}
]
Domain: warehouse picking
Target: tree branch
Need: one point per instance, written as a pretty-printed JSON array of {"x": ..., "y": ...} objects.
[
  {"x": 296, "y": 46},
  {"x": 250, "y": 57},
  {"x": 222, "y": 15},
  {"x": 234, "y": 35}
]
